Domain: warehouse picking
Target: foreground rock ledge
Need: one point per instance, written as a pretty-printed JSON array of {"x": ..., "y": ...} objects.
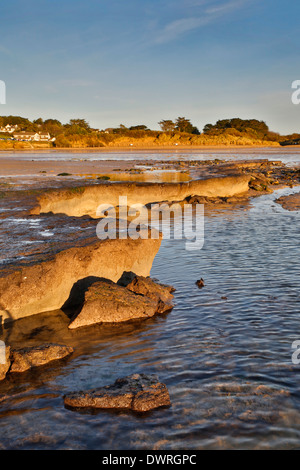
[
  {"x": 46, "y": 286},
  {"x": 138, "y": 392},
  {"x": 108, "y": 302}
]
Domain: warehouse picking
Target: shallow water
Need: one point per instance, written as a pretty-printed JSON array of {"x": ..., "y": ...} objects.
[
  {"x": 290, "y": 156},
  {"x": 224, "y": 351}
]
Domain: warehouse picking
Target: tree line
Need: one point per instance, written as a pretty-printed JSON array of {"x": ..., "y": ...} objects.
[{"x": 77, "y": 129}]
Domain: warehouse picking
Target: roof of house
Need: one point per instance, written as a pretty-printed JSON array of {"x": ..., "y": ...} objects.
[{"x": 25, "y": 133}]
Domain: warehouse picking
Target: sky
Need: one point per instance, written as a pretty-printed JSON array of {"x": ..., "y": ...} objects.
[{"x": 134, "y": 62}]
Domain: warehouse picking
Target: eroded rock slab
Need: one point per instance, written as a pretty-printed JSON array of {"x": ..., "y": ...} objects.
[
  {"x": 86, "y": 200},
  {"x": 160, "y": 293},
  {"x": 107, "y": 302},
  {"x": 28, "y": 358},
  {"x": 138, "y": 392}
]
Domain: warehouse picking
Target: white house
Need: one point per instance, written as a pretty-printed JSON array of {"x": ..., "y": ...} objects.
[
  {"x": 33, "y": 136},
  {"x": 9, "y": 129}
]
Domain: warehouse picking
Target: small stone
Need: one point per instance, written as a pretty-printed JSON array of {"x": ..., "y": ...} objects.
[{"x": 200, "y": 283}]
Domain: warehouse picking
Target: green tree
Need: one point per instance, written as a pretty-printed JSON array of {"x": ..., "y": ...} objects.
[
  {"x": 53, "y": 126},
  {"x": 185, "y": 125},
  {"x": 140, "y": 127},
  {"x": 207, "y": 128},
  {"x": 80, "y": 123},
  {"x": 167, "y": 125}
]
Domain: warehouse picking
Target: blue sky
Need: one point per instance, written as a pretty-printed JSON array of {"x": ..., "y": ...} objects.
[{"x": 140, "y": 61}]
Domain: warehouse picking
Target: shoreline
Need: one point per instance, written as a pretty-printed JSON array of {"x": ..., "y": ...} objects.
[{"x": 155, "y": 149}]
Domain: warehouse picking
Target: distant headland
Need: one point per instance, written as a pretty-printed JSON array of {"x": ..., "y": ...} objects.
[{"x": 18, "y": 133}]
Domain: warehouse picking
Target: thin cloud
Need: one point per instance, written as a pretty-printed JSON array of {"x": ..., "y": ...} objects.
[{"x": 184, "y": 25}]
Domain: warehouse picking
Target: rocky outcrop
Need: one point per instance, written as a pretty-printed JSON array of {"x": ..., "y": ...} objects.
[
  {"x": 28, "y": 358},
  {"x": 5, "y": 360},
  {"x": 107, "y": 302},
  {"x": 160, "y": 293},
  {"x": 290, "y": 203},
  {"x": 138, "y": 392},
  {"x": 85, "y": 200},
  {"x": 35, "y": 288}
]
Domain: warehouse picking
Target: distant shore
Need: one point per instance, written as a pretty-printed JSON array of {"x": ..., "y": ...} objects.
[{"x": 154, "y": 149}]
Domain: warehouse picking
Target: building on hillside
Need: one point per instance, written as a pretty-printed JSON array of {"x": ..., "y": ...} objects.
[
  {"x": 9, "y": 129},
  {"x": 33, "y": 136}
]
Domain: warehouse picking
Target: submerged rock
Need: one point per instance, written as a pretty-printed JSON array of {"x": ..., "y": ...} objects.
[
  {"x": 160, "y": 293},
  {"x": 138, "y": 392},
  {"x": 27, "y": 358},
  {"x": 5, "y": 361},
  {"x": 107, "y": 302}
]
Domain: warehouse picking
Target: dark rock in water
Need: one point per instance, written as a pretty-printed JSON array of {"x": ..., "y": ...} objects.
[
  {"x": 200, "y": 283},
  {"x": 27, "y": 358},
  {"x": 160, "y": 293},
  {"x": 5, "y": 360},
  {"x": 138, "y": 392}
]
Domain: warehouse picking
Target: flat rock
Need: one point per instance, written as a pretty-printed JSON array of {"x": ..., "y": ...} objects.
[
  {"x": 138, "y": 392},
  {"x": 291, "y": 202},
  {"x": 160, "y": 293},
  {"x": 107, "y": 302},
  {"x": 27, "y": 358},
  {"x": 4, "y": 360}
]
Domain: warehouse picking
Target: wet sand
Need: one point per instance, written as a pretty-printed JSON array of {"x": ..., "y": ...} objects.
[{"x": 21, "y": 167}]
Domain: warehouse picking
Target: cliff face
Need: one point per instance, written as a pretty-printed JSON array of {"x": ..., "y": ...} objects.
[
  {"x": 85, "y": 200},
  {"x": 47, "y": 286}
]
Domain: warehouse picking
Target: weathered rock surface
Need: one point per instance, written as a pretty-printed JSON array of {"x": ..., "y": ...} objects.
[
  {"x": 86, "y": 200},
  {"x": 5, "y": 361},
  {"x": 161, "y": 293},
  {"x": 138, "y": 392},
  {"x": 27, "y": 358},
  {"x": 107, "y": 302}
]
